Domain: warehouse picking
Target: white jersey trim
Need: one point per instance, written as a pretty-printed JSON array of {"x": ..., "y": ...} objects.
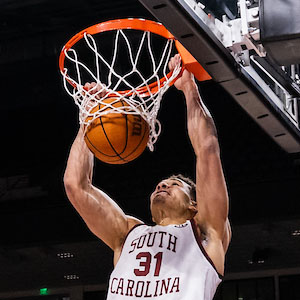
[{"x": 199, "y": 242}]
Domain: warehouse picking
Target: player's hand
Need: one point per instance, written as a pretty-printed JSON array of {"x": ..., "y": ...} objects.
[
  {"x": 186, "y": 78},
  {"x": 97, "y": 89},
  {"x": 95, "y": 92}
]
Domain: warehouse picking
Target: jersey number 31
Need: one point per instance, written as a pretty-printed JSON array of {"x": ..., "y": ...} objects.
[{"x": 145, "y": 263}]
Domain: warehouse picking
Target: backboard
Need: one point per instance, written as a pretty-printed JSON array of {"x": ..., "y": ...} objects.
[{"x": 231, "y": 51}]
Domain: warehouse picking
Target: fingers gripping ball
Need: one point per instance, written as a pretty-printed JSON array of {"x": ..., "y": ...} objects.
[{"x": 117, "y": 138}]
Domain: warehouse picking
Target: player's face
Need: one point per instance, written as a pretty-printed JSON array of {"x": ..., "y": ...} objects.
[{"x": 171, "y": 192}]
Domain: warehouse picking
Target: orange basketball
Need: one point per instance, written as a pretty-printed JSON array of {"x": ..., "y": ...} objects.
[{"x": 117, "y": 138}]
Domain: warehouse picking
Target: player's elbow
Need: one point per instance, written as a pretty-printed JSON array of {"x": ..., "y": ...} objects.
[
  {"x": 75, "y": 187},
  {"x": 74, "y": 181},
  {"x": 210, "y": 145},
  {"x": 71, "y": 187},
  {"x": 69, "y": 179}
]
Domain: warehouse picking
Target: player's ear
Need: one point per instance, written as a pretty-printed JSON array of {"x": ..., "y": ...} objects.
[
  {"x": 193, "y": 203},
  {"x": 193, "y": 208}
]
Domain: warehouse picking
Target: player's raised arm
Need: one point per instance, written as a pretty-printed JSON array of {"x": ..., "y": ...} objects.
[
  {"x": 101, "y": 214},
  {"x": 211, "y": 191}
]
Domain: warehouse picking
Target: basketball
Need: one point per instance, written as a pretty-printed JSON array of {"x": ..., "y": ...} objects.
[{"x": 117, "y": 138}]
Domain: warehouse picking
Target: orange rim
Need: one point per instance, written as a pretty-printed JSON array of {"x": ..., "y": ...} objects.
[{"x": 137, "y": 24}]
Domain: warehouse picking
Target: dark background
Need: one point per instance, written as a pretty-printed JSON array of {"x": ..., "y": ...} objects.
[{"x": 39, "y": 122}]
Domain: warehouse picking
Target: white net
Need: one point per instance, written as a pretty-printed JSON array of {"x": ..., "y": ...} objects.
[{"x": 141, "y": 95}]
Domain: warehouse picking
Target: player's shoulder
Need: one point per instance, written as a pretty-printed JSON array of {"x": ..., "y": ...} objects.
[{"x": 133, "y": 221}]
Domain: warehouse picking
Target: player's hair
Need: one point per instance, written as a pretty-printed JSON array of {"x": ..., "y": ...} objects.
[{"x": 189, "y": 182}]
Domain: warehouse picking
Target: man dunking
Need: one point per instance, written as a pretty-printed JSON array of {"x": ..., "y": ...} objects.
[{"x": 182, "y": 257}]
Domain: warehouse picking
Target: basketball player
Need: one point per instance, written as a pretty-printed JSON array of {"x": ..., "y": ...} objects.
[{"x": 182, "y": 257}]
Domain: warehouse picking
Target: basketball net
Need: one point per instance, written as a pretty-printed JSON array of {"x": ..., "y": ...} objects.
[{"x": 143, "y": 99}]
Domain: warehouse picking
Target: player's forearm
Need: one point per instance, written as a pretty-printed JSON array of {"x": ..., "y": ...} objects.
[
  {"x": 211, "y": 187},
  {"x": 79, "y": 169},
  {"x": 201, "y": 127}
]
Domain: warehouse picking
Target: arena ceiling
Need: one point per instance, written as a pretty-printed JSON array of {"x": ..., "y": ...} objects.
[{"x": 39, "y": 122}]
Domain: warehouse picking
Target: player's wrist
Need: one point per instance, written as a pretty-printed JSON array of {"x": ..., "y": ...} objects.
[{"x": 189, "y": 87}]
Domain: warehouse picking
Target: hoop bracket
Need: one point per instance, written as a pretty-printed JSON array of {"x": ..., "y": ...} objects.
[{"x": 191, "y": 64}]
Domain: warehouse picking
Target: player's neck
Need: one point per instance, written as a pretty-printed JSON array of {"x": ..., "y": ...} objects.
[
  {"x": 162, "y": 216},
  {"x": 171, "y": 221}
]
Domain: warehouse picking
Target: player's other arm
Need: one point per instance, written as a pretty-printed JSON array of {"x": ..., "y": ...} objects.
[
  {"x": 211, "y": 191},
  {"x": 101, "y": 214}
]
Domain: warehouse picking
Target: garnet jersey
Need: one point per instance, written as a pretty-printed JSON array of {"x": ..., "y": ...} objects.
[{"x": 163, "y": 263}]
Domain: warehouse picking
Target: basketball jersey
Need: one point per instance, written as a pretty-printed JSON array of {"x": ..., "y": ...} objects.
[{"x": 164, "y": 263}]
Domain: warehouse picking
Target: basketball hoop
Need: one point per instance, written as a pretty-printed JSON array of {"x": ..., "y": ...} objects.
[{"x": 142, "y": 95}]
